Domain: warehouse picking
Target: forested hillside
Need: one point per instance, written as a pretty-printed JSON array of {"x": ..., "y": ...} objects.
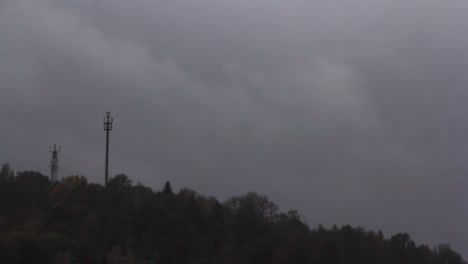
[{"x": 79, "y": 222}]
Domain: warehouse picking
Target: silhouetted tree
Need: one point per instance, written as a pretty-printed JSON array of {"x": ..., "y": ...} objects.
[
  {"x": 447, "y": 255},
  {"x": 167, "y": 188},
  {"x": 120, "y": 183},
  {"x": 79, "y": 222},
  {"x": 6, "y": 174}
]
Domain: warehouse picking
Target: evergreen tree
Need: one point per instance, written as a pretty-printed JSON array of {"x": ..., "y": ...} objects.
[{"x": 167, "y": 188}]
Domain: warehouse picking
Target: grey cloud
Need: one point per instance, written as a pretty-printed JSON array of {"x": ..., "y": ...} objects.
[{"x": 350, "y": 112}]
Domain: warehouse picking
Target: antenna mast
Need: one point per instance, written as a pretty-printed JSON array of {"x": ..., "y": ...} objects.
[
  {"x": 108, "y": 120},
  {"x": 54, "y": 163}
]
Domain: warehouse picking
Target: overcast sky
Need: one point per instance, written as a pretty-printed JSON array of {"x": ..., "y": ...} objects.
[{"x": 353, "y": 112}]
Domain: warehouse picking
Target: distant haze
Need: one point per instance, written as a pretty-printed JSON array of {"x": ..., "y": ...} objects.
[{"x": 352, "y": 112}]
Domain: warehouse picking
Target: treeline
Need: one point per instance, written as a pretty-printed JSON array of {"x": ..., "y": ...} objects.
[{"x": 79, "y": 222}]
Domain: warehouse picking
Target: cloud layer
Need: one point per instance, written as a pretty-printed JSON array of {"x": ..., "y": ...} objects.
[{"x": 349, "y": 112}]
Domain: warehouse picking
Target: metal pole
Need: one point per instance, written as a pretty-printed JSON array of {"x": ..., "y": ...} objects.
[
  {"x": 107, "y": 127},
  {"x": 107, "y": 156},
  {"x": 52, "y": 165}
]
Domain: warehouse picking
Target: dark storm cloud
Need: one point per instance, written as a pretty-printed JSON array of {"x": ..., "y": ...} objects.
[{"x": 350, "y": 112}]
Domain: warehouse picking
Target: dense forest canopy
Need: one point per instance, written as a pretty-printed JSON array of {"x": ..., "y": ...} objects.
[{"x": 73, "y": 221}]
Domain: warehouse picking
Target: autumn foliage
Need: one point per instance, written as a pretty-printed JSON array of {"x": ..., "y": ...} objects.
[{"x": 79, "y": 222}]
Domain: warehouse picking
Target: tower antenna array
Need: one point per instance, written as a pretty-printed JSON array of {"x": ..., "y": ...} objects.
[{"x": 54, "y": 163}]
